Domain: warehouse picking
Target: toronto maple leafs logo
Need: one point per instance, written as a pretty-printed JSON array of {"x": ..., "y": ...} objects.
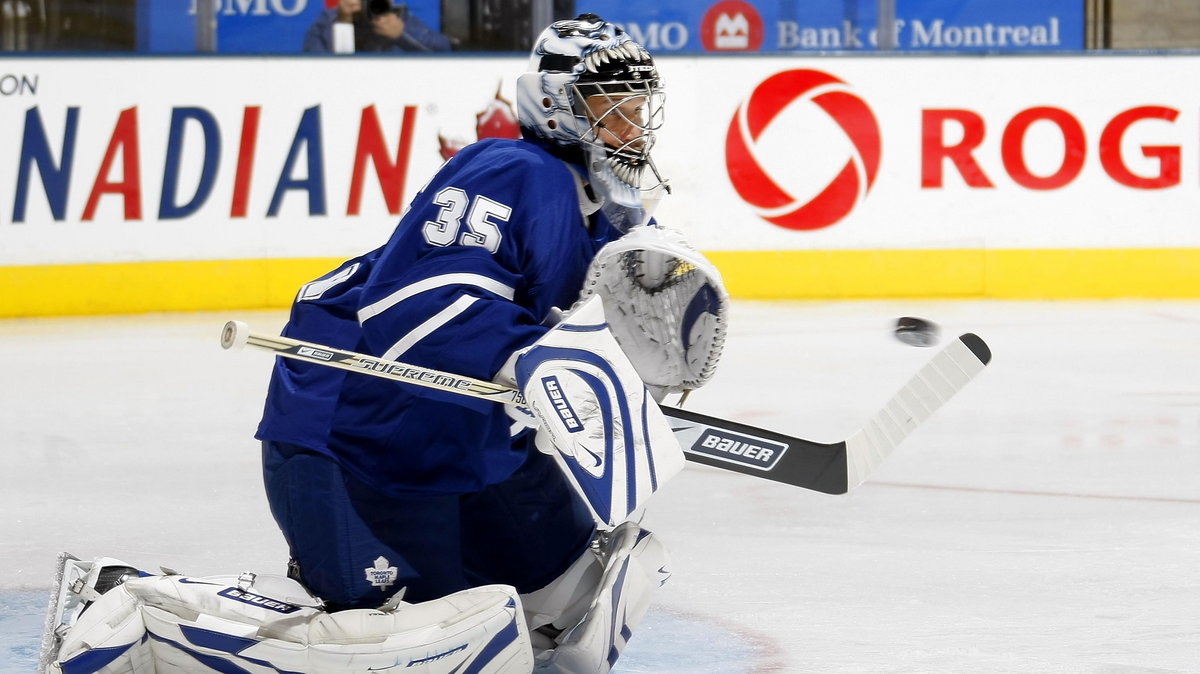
[{"x": 381, "y": 575}]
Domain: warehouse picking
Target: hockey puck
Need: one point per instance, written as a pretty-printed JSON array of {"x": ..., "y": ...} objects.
[{"x": 916, "y": 331}]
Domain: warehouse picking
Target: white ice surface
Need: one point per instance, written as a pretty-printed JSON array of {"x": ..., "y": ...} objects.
[{"x": 1046, "y": 520}]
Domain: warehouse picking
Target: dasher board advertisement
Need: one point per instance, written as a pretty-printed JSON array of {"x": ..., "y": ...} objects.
[
  {"x": 733, "y": 26},
  {"x": 994, "y": 177}
]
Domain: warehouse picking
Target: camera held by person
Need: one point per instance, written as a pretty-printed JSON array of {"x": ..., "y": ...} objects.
[{"x": 380, "y": 7}]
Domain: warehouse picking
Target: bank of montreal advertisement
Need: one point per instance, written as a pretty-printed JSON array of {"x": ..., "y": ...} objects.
[{"x": 144, "y": 159}]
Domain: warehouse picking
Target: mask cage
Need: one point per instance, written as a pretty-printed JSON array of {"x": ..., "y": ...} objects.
[{"x": 623, "y": 117}]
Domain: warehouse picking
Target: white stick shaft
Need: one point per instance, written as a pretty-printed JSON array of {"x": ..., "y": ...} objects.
[{"x": 236, "y": 334}]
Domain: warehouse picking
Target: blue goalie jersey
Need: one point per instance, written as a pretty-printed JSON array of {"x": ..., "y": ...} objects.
[{"x": 486, "y": 250}]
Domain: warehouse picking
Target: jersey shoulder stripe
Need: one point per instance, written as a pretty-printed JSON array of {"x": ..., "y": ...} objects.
[{"x": 477, "y": 280}]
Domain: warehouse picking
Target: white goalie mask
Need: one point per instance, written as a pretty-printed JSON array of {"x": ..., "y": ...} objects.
[{"x": 591, "y": 86}]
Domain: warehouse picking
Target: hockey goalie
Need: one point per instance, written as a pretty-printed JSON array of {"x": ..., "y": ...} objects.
[{"x": 435, "y": 532}]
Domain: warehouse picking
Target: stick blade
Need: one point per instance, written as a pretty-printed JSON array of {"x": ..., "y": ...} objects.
[
  {"x": 935, "y": 384},
  {"x": 759, "y": 452},
  {"x": 977, "y": 346}
]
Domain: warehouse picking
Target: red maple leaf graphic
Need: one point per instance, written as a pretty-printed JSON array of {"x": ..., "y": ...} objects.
[{"x": 497, "y": 120}]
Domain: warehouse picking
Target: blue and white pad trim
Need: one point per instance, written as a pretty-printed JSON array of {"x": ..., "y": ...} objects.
[
  {"x": 635, "y": 564},
  {"x": 596, "y": 416},
  {"x": 271, "y": 625}
]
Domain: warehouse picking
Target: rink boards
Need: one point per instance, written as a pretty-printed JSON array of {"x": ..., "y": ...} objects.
[{"x": 147, "y": 184}]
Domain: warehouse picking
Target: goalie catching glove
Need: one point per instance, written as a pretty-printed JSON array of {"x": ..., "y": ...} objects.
[
  {"x": 595, "y": 415},
  {"x": 665, "y": 304}
]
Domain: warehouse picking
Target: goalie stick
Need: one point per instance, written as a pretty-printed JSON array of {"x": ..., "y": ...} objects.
[{"x": 830, "y": 468}]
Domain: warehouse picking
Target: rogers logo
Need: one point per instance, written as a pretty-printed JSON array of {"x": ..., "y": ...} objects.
[
  {"x": 832, "y": 201},
  {"x": 731, "y": 25}
]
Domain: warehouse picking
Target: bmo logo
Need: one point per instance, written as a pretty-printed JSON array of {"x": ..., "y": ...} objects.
[
  {"x": 803, "y": 150},
  {"x": 731, "y": 25}
]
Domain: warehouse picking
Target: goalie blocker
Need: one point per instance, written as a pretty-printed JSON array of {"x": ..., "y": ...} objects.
[{"x": 596, "y": 417}]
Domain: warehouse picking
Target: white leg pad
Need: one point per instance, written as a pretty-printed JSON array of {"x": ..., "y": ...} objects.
[
  {"x": 564, "y": 602},
  {"x": 109, "y": 637},
  {"x": 635, "y": 564},
  {"x": 267, "y": 624}
]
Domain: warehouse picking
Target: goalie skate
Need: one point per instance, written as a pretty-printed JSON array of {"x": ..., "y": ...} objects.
[{"x": 76, "y": 585}]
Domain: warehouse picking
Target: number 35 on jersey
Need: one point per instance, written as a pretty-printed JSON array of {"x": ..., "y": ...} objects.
[{"x": 466, "y": 220}]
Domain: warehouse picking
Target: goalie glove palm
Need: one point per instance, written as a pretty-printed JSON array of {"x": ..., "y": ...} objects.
[
  {"x": 596, "y": 417},
  {"x": 666, "y": 304}
]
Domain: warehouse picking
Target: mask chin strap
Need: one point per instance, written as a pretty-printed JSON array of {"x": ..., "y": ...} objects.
[
  {"x": 663, "y": 186},
  {"x": 652, "y": 196},
  {"x": 622, "y": 202}
]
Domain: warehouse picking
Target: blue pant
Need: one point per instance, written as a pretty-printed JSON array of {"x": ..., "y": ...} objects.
[{"x": 355, "y": 547}]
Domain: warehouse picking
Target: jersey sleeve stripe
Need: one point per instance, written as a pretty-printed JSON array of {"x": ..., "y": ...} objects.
[
  {"x": 433, "y": 323},
  {"x": 479, "y": 281},
  {"x": 314, "y": 290}
]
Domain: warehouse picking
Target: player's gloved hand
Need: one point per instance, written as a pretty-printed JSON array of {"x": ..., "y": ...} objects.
[
  {"x": 522, "y": 416},
  {"x": 596, "y": 415},
  {"x": 507, "y": 376}
]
